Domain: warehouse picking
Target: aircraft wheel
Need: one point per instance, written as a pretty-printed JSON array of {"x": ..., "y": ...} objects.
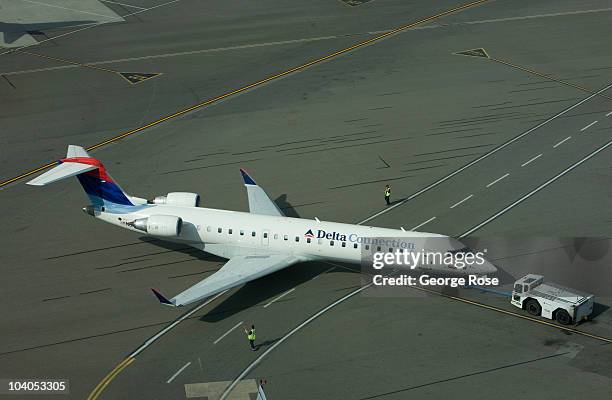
[
  {"x": 533, "y": 307},
  {"x": 563, "y": 317}
]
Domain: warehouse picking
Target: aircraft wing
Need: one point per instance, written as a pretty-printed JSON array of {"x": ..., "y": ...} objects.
[
  {"x": 259, "y": 202},
  {"x": 238, "y": 270}
]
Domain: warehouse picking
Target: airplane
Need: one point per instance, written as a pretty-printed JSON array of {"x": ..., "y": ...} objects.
[{"x": 256, "y": 243}]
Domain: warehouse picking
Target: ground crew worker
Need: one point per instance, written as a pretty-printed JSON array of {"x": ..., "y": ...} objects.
[
  {"x": 388, "y": 194},
  {"x": 251, "y": 336}
]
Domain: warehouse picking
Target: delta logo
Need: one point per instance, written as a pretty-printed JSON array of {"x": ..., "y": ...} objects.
[{"x": 321, "y": 234}]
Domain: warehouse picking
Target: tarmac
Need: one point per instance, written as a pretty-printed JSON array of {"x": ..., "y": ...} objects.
[{"x": 471, "y": 147}]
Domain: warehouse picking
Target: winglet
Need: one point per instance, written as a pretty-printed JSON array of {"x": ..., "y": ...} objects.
[
  {"x": 247, "y": 178},
  {"x": 162, "y": 299}
]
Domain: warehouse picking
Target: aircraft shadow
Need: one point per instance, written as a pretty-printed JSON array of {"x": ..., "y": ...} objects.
[
  {"x": 286, "y": 207},
  {"x": 13, "y": 31},
  {"x": 183, "y": 248},
  {"x": 264, "y": 289}
]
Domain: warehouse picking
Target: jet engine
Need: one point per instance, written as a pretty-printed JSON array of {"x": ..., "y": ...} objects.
[
  {"x": 159, "y": 225},
  {"x": 184, "y": 199}
]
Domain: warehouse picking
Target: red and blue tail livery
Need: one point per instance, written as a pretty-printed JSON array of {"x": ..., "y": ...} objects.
[
  {"x": 91, "y": 173},
  {"x": 259, "y": 249},
  {"x": 98, "y": 185}
]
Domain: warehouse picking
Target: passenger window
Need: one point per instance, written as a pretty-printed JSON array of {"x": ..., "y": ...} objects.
[
  {"x": 378, "y": 248},
  {"x": 297, "y": 238},
  {"x": 390, "y": 249},
  {"x": 230, "y": 230},
  {"x": 367, "y": 247},
  {"x": 343, "y": 244},
  {"x": 219, "y": 230},
  {"x": 208, "y": 229},
  {"x": 286, "y": 237},
  {"x": 265, "y": 235},
  {"x": 331, "y": 242},
  {"x": 241, "y": 232},
  {"x": 275, "y": 236},
  {"x": 308, "y": 240},
  {"x": 253, "y": 233},
  {"x": 320, "y": 241},
  {"x": 355, "y": 245}
]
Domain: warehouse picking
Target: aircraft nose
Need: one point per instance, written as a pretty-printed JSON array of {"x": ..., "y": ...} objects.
[{"x": 488, "y": 268}]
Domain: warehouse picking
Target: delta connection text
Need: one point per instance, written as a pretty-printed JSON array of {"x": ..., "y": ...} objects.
[{"x": 354, "y": 238}]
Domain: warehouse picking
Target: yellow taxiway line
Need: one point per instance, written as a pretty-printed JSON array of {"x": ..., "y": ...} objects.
[
  {"x": 480, "y": 52},
  {"x": 518, "y": 315},
  {"x": 129, "y": 360},
  {"x": 499, "y": 310},
  {"x": 255, "y": 84},
  {"x": 546, "y": 76},
  {"x": 109, "y": 377}
]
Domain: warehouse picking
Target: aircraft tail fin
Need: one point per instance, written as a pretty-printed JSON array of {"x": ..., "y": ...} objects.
[{"x": 92, "y": 175}]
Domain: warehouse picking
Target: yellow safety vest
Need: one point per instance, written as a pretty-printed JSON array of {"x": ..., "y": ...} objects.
[
  {"x": 251, "y": 335},
  {"x": 388, "y": 192}
]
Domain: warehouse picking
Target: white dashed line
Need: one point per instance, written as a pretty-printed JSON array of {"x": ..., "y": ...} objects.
[
  {"x": 608, "y": 114},
  {"x": 482, "y": 157},
  {"x": 228, "y": 332},
  {"x": 536, "y": 190},
  {"x": 279, "y": 297},
  {"x": 466, "y": 199},
  {"x": 420, "y": 225},
  {"x": 588, "y": 126},
  {"x": 177, "y": 373},
  {"x": 166, "y": 55},
  {"x": 324, "y": 272},
  {"x": 561, "y": 142},
  {"x": 167, "y": 329},
  {"x": 280, "y": 341},
  {"x": 497, "y": 180},
  {"x": 122, "y": 4},
  {"x": 531, "y": 160}
]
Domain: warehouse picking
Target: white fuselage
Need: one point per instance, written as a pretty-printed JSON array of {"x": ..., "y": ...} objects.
[{"x": 231, "y": 233}]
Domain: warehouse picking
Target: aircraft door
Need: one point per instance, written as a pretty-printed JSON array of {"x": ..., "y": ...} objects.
[{"x": 265, "y": 237}]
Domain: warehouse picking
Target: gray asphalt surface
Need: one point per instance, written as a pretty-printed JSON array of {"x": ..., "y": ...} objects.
[{"x": 323, "y": 143}]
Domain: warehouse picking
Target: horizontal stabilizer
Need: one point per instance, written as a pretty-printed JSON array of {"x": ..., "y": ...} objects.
[
  {"x": 61, "y": 171},
  {"x": 101, "y": 189}
]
